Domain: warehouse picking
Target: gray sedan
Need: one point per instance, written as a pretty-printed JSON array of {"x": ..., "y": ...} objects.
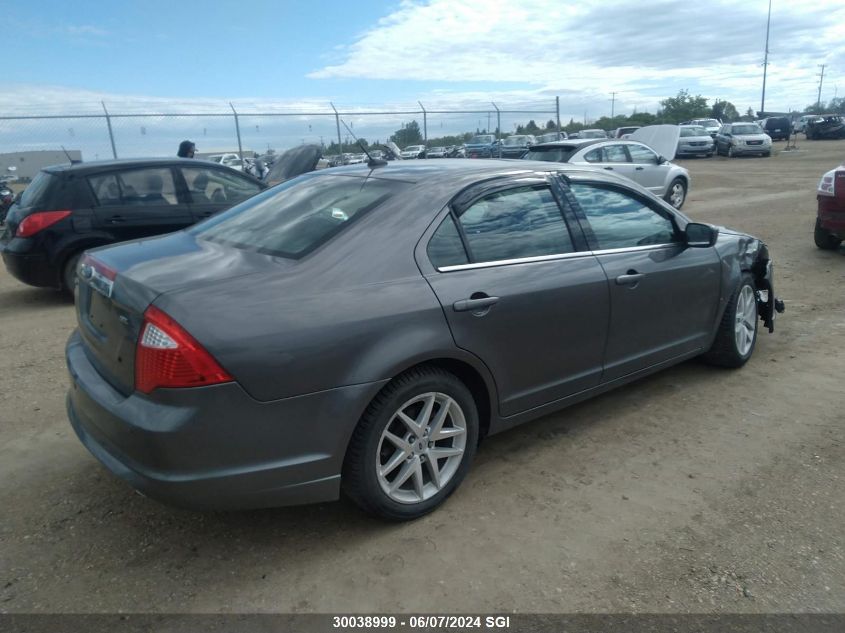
[
  {"x": 631, "y": 159},
  {"x": 360, "y": 329}
]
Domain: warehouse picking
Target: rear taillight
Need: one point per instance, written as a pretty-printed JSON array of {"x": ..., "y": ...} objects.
[
  {"x": 38, "y": 221},
  {"x": 827, "y": 185},
  {"x": 167, "y": 356}
]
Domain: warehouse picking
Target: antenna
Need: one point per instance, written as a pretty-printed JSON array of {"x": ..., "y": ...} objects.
[
  {"x": 69, "y": 159},
  {"x": 371, "y": 162}
]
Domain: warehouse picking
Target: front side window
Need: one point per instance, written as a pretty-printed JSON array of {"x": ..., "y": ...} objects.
[
  {"x": 292, "y": 219},
  {"x": 515, "y": 223},
  {"x": 217, "y": 186},
  {"x": 619, "y": 220},
  {"x": 642, "y": 155}
]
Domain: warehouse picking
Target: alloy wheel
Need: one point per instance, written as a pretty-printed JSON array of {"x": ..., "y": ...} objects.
[
  {"x": 745, "y": 323},
  {"x": 421, "y": 448}
]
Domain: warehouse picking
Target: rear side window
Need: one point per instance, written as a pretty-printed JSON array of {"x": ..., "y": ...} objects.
[
  {"x": 216, "y": 186},
  {"x": 142, "y": 187},
  {"x": 446, "y": 247},
  {"x": 515, "y": 223},
  {"x": 36, "y": 193},
  {"x": 294, "y": 218},
  {"x": 559, "y": 154}
]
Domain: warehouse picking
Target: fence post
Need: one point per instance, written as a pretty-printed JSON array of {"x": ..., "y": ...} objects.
[
  {"x": 498, "y": 127},
  {"x": 557, "y": 113},
  {"x": 111, "y": 133},
  {"x": 238, "y": 131},
  {"x": 425, "y": 126},
  {"x": 337, "y": 123}
]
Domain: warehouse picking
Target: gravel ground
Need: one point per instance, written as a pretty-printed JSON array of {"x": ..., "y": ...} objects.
[{"x": 697, "y": 489}]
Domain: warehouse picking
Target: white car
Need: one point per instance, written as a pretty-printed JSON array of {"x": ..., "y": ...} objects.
[
  {"x": 412, "y": 151},
  {"x": 647, "y": 165}
]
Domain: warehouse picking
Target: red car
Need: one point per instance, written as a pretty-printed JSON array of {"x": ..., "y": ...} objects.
[{"x": 830, "y": 222}]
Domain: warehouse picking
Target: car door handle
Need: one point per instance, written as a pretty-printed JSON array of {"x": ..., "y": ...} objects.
[
  {"x": 639, "y": 168},
  {"x": 117, "y": 219},
  {"x": 610, "y": 168},
  {"x": 632, "y": 278},
  {"x": 472, "y": 305}
]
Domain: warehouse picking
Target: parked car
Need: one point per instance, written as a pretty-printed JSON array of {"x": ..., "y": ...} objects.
[
  {"x": 779, "y": 128},
  {"x": 413, "y": 151},
  {"x": 826, "y": 126},
  {"x": 711, "y": 125},
  {"x": 436, "y": 152},
  {"x": 515, "y": 145},
  {"x": 70, "y": 208},
  {"x": 340, "y": 333},
  {"x": 628, "y": 158},
  {"x": 695, "y": 141},
  {"x": 830, "y": 214},
  {"x": 801, "y": 123},
  {"x": 552, "y": 136},
  {"x": 736, "y": 139},
  {"x": 592, "y": 134},
  {"x": 621, "y": 132},
  {"x": 224, "y": 159},
  {"x": 7, "y": 197},
  {"x": 482, "y": 146}
]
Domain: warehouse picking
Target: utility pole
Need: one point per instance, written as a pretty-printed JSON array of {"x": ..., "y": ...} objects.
[
  {"x": 821, "y": 81},
  {"x": 612, "y": 105},
  {"x": 766, "y": 62}
]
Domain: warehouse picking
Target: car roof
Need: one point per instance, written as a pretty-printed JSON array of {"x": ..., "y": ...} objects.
[
  {"x": 100, "y": 165},
  {"x": 455, "y": 170}
]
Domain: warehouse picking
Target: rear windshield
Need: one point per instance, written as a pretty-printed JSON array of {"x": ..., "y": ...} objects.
[
  {"x": 36, "y": 192},
  {"x": 294, "y": 218},
  {"x": 556, "y": 154}
]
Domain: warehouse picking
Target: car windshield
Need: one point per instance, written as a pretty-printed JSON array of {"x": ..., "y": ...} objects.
[
  {"x": 552, "y": 154},
  {"x": 746, "y": 129},
  {"x": 437, "y": 149},
  {"x": 483, "y": 138},
  {"x": 515, "y": 140},
  {"x": 294, "y": 218},
  {"x": 707, "y": 122},
  {"x": 593, "y": 134},
  {"x": 414, "y": 148}
]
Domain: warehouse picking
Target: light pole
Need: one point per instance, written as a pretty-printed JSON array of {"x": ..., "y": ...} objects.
[{"x": 766, "y": 62}]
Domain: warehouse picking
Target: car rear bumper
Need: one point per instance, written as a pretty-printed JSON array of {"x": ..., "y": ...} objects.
[
  {"x": 215, "y": 447},
  {"x": 33, "y": 269}
]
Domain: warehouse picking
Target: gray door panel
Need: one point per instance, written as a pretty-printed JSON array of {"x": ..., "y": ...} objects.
[
  {"x": 544, "y": 338},
  {"x": 667, "y": 312}
]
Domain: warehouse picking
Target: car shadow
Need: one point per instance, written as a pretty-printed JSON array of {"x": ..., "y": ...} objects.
[{"x": 13, "y": 299}]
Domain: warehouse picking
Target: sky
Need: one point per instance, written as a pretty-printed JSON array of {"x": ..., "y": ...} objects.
[{"x": 598, "y": 56}]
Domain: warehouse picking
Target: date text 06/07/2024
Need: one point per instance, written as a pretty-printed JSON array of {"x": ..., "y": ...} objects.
[{"x": 369, "y": 622}]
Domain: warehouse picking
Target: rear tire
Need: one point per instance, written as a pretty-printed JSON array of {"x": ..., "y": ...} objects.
[
  {"x": 398, "y": 471},
  {"x": 69, "y": 279},
  {"x": 737, "y": 333},
  {"x": 824, "y": 239}
]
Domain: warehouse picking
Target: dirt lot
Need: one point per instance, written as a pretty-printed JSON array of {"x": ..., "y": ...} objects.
[{"x": 697, "y": 489}]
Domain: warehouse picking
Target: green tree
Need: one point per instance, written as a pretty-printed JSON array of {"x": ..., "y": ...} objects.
[
  {"x": 684, "y": 107},
  {"x": 551, "y": 125},
  {"x": 409, "y": 134},
  {"x": 725, "y": 111}
]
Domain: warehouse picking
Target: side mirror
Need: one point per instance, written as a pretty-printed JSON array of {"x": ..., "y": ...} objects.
[
  {"x": 699, "y": 235},
  {"x": 660, "y": 160}
]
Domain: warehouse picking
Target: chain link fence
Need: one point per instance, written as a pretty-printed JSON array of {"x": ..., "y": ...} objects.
[{"x": 116, "y": 134}]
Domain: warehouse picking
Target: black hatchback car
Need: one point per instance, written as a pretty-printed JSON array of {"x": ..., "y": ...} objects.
[{"x": 70, "y": 208}]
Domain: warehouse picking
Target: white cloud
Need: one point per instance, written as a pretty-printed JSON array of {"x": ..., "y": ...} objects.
[{"x": 642, "y": 51}]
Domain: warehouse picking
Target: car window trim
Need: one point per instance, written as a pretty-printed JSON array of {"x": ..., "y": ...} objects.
[{"x": 514, "y": 261}]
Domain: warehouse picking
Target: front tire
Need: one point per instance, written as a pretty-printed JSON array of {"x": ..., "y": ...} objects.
[
  {"x": 737, "y": 333},
  {"x": 413, "y": 445},
  {"x": 677, "y": 193},
  {"x": 824, "y": 239},
  {"x": 730, "y": 152}
]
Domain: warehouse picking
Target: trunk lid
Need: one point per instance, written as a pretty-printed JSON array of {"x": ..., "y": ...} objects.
[{"x": 110, "y": 312}]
